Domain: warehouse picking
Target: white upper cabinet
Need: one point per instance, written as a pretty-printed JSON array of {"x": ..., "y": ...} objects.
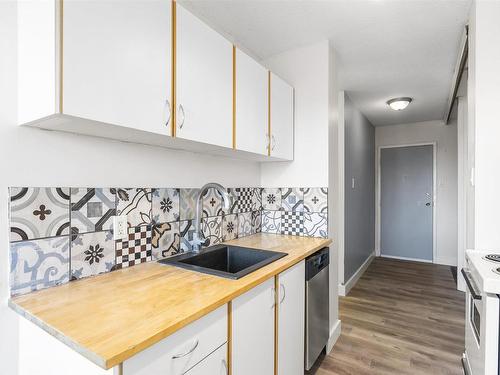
[
  {"x": 251, "y": 105},
  {"x": 282, "y": 118},
  {"x": 291, "y": 320},
  {"x": 117, "y": 62},
  {"x": 204, "y": 75},
  {"x": 36, "y": 60},
  {"x": 116, "y": 69},
  {"x": 253, "y": 331}
]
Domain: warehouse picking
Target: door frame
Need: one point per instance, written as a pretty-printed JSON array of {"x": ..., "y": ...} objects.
[{"x": 378, "y": 195}]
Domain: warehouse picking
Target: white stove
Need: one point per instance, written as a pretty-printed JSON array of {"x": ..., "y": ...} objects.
[{"x": 482, "y": 276}]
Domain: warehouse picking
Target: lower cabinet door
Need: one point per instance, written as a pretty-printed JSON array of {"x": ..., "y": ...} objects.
[
  {"x": 253, "y": 331},
  {"x": 291, "y": 315},
  {"x": 214, "y": 364}
]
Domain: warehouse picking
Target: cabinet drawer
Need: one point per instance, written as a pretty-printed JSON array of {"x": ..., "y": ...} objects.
[
  {"x": 214, "y": 364},
  {"x": 179, "y": 352}
]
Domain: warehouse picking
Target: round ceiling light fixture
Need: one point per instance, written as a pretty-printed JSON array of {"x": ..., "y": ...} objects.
[{"x": 398, "y": 104}]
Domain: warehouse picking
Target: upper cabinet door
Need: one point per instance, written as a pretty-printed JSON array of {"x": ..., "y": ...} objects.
[
  {"x": 281, "y": 118},
  {"x": 251, "y": 105},
  {"x": 204, "y": 66},
  {"x": 117, "y": 62}
]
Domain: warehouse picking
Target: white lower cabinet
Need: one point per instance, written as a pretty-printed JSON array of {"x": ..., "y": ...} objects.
[
  {"x": 180, "y": 352},
  {"x": 253, "y": 331},
  {"x": 291, "y": 315},
  {"x": 214, "y": 364}
]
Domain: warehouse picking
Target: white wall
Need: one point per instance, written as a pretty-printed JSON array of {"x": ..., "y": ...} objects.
[
  {"x": 312, "y": 71},
  {"x": 445, "y": 137},
  {"x": 306, "y": 69},
  {"x": 32, "y": 157},
  {"x": 483, "y": 98}
]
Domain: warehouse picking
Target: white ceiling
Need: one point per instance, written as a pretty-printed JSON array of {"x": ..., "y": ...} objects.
[{"x": 387, "y": 48}]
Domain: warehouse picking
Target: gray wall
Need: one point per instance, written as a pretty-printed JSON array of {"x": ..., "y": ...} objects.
[{"x": 359, "y": 210}]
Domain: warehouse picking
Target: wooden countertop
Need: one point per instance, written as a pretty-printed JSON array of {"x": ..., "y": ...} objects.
[{"x": 111, "y": 317}]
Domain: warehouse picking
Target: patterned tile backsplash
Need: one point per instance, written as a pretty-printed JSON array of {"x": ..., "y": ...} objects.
[{"x": 64, "y": 234}]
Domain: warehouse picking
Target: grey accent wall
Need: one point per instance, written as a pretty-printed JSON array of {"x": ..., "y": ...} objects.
[{"x": 359, "y": 212}]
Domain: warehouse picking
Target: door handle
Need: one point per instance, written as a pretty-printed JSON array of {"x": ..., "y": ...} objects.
[
  {"x": 428, "y": 204},
  {"x": 284, "y": 293},
  {"x": 181, "y": 110},
  {"x": 273, "y": 293},
  {"x": 169, "y": 113},
  {"x": 472, "y": 288}
]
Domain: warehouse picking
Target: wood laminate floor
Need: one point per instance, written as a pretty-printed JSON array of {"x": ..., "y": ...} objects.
[{"x": 400, "y": 318}]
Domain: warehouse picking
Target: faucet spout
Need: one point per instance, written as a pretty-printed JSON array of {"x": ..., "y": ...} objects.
[{"x": 198, "y": 239}]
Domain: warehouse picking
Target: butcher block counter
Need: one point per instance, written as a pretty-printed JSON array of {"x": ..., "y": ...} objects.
[{"x": 111, "y": 317}]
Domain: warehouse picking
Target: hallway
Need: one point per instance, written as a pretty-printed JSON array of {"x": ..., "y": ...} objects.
[{"x": 400, "y": 318}]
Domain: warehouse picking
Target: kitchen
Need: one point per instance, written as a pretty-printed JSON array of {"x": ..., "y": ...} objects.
[{"x": 118, "y": 167}]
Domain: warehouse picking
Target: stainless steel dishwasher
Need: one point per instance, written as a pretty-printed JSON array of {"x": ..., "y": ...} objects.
[{"x": 317, "y": 305}]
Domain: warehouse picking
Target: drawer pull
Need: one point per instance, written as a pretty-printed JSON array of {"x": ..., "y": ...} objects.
[{"x": 177, "y": 356}]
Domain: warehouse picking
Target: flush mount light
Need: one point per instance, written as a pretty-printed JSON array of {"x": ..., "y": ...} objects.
[{"x": 398, "y": 104}]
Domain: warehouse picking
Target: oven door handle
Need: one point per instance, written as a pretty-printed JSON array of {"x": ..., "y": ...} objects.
[{"x": 470, "y": 284}]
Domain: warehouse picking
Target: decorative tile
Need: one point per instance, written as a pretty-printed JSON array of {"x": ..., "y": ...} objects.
[
  {"x": 292, "y": 223},
  {"x": 92, "y": 254},
  {"x": 38, "y": 264},
  {"x": 233, "y": 208},
  {"x": 292, "y": 199},
  {"x": 245, "y": 196},
  {"x": 229, "y": 227},
  {"x": 245, "y": 224},
  {"x": 188, "y": 203},
  {"x": 92, "y": 209},
  {"x": 136, "y": 204},
  {"x": 166, "y": 205},
  {"x": 212, "y": 203},
  {"x": 316, "y": 200},
  {"x": 271, "y": 221},
  {"x": 135, "y": 249},
  {"x": 166, "y": 240},
  {"x": 256, "y": 221},
  {"x": 186, "y": 230},
  {"x": 38, "y": 213},
  {"x": 271, "y": 199},
  {"x": 257, "y": 199},
  {"x": 212, "y": 230},
  {"x": 315, "y": 224}
]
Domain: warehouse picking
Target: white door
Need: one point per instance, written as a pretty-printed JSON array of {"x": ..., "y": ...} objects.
[
  {"x": 204, "y": 82},
  {"x": 291, "y": 320},
  {"x": 214, "y": 364},
  {"x": 251, "y": 105},
  {"x": 281, "y": 118},
  {"x": 117, "y": 62},
  {"x": 253, "y": 331}
]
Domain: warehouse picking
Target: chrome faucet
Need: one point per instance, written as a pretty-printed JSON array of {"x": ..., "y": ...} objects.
[{"x": 198, "y": 239}]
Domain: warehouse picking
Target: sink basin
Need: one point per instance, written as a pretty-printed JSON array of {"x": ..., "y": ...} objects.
[{"x": 232, "y": 262}]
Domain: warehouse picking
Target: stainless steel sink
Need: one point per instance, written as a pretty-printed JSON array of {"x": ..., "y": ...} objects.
[{"x": 232, "y": 262}]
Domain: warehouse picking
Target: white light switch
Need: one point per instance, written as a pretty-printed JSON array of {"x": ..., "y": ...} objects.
[{"x": 120, "y": 227}]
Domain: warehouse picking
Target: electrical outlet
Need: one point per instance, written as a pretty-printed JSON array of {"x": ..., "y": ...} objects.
[{"x": 120, "y": 227}]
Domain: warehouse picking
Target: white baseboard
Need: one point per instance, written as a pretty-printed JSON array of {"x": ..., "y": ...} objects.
[
  {"x": 445, "y": 261},
  {"x": 344, "y": 289},
  {"x": 334, "y": 336},
  {"x": 405, "y": 258}
]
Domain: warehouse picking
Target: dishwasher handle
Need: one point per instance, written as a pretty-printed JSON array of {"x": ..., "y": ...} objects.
[{"x": 317, "y": 262}]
